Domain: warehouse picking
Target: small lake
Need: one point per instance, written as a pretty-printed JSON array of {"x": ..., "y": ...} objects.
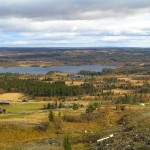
[{"x": 44, "y": 70}]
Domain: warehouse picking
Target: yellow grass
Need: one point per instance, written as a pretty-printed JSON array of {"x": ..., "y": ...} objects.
[
  {"x": 24, "y": 65},
  {"x": 35, "y": 117},
  {"x": 80, "y": 127},
  {"x": 121, "y": 91},
  {"x": 132, "y": 80},
  {"x": 11, "y": 96},
  {"x": 78, "y": 83},
  {"x": 14, "y": 134}
]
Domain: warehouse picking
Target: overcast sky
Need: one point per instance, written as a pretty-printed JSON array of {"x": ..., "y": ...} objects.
[{"x": 75, "y": 23}]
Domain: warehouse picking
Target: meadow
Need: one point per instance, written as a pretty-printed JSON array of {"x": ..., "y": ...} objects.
[{"x": 26, "y": 125}]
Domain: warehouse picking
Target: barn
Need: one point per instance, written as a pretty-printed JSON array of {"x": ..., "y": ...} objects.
[{"x": 4, "y": 102}]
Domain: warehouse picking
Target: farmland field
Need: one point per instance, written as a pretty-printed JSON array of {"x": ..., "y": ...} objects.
[{"x": 13, "y": 97}]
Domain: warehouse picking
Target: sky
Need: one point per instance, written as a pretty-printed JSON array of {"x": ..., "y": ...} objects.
[{"x": 75, "y": 23}]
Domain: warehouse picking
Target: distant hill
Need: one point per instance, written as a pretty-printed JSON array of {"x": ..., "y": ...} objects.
[{"x": 53, "y": 56}]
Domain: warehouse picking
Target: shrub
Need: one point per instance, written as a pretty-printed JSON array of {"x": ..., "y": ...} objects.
[
  {"x": 75, "y": 106},
  {"x": 90, "y": 108},
  {"x": 96, "y": 104},
  {"x": 72, "y": 118},
  {"x": 60, "y": 105}
]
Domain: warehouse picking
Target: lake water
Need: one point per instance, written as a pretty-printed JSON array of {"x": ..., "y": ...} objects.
[{"x": 44, "y": 70}]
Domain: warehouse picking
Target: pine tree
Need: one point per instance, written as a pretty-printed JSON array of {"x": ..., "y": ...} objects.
[
  {"x": 59, "y": 114},
  {"x": 60, "y": 105},
  {"x": 67, "y": 144},
  {"x": 48, "y": 106},
  {"x": 55, "y": 104},
  {"x": 58, "y": 122},
  {"x": 51, "y": 116}
]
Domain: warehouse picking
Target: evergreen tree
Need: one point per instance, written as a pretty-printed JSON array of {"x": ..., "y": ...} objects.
[
  {"x": 48, "y": 106},
  {"x": 67, "y": 144},
  {"x": 58, "y": 122},
  {"x": 51, "y": 116},
  {"x": 90, "y": 108},
  {"x": 59, "y": 114},
  {"x": 60, "y": 105},
  {"x": 55, "y": 104}
]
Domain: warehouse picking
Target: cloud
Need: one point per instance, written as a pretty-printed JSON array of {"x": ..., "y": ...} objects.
[
  {"x": 135, "y": 25},
  {"x": 71, "y": 9},
  {"x": 74, "y": 23}
]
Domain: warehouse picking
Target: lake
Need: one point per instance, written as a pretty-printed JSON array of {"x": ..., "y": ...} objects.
[{"x": 44, "y": 70}]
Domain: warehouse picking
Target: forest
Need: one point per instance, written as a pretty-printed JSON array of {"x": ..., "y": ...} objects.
[
  {"x": 37, "y": 88},
  {"x": 74, "y": 56}
]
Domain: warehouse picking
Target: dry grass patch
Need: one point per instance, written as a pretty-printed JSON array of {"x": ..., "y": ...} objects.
[
  {"x": 11, "y": 96},
  {"x": 35, "y": 117},
  {"x": 80, "y": 127},
  {"x": 14, "y": 134},
  {"x": 121, "y": 91},
  {"x": 77, "y": 83}
]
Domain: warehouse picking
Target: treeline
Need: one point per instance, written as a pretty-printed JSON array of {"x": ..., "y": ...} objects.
[
  {"x": 123, "y": 70},
  {"x": 133, "y": 99},
  {"x": 89, "y": 73},
  {"x": 39, "y": 88},
  {"x": 144, "y": 89}
]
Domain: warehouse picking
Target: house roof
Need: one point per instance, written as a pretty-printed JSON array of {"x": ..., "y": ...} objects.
[
  {"x": 4, "y": 102},
  {"x": 67, "y": 105}
]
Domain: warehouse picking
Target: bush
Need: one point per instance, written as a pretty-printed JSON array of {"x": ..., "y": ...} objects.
[
  {"x": 58, "y": 123},
  {"x": 90, "y": 108},
  {"x": 75, "y": 106},
  {"x": 72, "y": 118},
  {"x": 96, "y": 104},
  {"x": 60, "y": 105},
  {"x": 50, "y": 106}
]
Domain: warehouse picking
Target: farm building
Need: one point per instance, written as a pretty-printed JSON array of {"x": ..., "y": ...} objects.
[
  {"x": 78, "y": 76},
  {"x": 141, "y": 104},
  {"x": 68, "y": 105},
  {"x": 4, "y": 102},
  {"x": 24, "y": 100},
  {"x": 75, "y": 99}
]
